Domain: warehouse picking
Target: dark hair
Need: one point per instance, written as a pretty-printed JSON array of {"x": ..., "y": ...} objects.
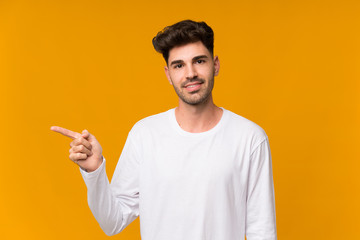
[{"x": 181, "y": 33}]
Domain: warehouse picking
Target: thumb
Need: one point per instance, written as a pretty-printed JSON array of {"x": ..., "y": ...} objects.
[{"x": 85, "y": 133}]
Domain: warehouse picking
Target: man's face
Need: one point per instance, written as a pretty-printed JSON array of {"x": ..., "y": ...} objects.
[{"x": 191, "y": 70}]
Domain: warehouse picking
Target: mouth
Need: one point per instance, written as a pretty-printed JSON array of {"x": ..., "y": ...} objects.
[{"x": 193, "y": 86}]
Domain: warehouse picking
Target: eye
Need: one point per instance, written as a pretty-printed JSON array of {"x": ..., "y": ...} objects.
[
  {"x": 178, "y": 66},
  {"x": 200, "y": 61}
]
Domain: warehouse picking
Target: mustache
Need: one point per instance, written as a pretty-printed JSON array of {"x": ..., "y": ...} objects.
[{"x": 199, "y": 80}]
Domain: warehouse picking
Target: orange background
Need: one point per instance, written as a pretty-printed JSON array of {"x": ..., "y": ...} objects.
[{"x": 290, "y": 66}]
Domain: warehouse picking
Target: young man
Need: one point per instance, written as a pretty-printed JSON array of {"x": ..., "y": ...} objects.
[{"x": 196, "y": 172}]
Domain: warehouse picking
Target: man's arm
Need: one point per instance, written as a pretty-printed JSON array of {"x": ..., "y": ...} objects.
[
  {"x": 114, "y": 206},
  {"x": 260, "y": 213}
]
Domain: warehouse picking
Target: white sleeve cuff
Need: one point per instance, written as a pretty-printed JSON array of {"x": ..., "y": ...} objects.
[{"x": 93, "y": 174}]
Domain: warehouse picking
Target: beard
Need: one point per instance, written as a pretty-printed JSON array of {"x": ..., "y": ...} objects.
[{"x": 196, "y": 97}]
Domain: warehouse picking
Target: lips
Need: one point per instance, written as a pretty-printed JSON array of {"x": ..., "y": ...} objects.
[
  {"x": 193, "y": 85},
  {"x": 190, "y": 85}
]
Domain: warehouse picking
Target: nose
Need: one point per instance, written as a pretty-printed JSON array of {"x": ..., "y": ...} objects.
[{"x": 191, "y": 72}]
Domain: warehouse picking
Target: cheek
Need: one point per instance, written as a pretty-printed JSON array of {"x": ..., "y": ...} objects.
[
  {"x": 176, "y": 77},
  {"x": 206, "y": 75}
]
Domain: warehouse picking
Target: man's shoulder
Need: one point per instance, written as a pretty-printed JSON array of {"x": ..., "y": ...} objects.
[
  {"x": 152, "y": 121},
  {"x": 155, "y": 118},
  {"x": 240, "y": 124}
]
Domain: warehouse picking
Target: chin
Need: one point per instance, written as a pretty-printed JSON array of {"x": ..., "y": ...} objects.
[{"x": 196, "y": 101}]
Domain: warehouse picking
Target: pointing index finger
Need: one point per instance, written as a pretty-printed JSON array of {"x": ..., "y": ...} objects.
[{"x": 65, "y": 132}]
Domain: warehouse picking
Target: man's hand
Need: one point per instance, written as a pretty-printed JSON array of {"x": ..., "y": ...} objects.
[{"x": 85, "y": 150}]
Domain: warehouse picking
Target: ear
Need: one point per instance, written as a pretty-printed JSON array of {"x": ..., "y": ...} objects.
[
  {"x": 167, "y": 74},
  {"x": 216, "y": 65}
]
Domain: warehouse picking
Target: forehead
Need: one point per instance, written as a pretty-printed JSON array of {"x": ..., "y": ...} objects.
[{"x": 188, "y": 51}]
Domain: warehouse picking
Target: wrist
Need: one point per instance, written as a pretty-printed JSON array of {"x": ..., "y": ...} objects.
[{"x": 95, "y": 167}]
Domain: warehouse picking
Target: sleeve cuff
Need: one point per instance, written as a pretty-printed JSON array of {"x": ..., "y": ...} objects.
[{"x": 93, "y": 174}]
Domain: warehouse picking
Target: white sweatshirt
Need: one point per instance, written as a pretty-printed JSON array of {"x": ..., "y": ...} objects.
[{"x": 214, "y": 185}]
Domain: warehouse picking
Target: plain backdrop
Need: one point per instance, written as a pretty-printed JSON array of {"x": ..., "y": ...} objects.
[{"x": 290, "y": 66}]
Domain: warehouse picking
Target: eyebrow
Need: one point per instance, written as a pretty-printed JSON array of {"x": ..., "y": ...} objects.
[
  {"x": 176, "y": 62},
  {"x": 194, "y": 59},
  {"x": 199, "y": 57}
]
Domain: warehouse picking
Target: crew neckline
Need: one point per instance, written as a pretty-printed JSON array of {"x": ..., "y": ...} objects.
[{"x": 181, "y": 131}]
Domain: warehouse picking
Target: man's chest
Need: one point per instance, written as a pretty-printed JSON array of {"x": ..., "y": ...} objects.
[{"x": 195, "y": 162}]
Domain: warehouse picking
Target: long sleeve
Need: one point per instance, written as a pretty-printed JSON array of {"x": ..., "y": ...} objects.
[
  {"x": 115, "y": 205},
  {"x": 260, "y": 212}
]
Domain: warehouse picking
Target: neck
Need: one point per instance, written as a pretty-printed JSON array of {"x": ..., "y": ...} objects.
[{"x": 198, "y": 118}]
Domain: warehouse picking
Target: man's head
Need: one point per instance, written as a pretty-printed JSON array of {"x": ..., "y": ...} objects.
[
  {"x": 187, "y": 47},
  {"x": 182, "y": 33}
]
